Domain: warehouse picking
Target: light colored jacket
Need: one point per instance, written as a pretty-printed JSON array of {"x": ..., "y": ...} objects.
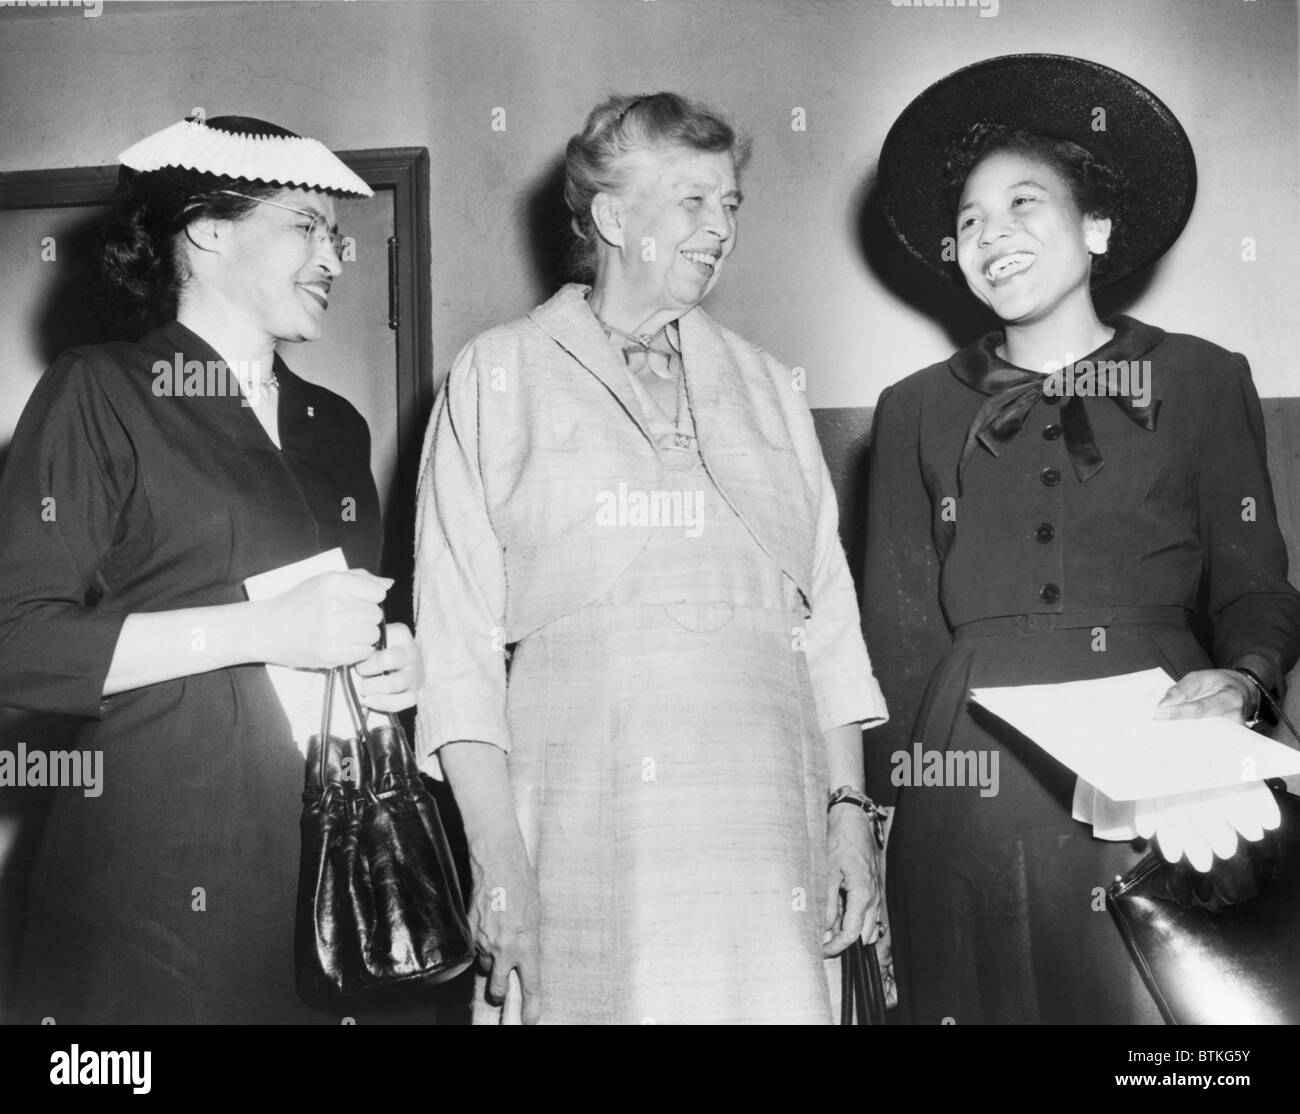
[{"x": 536, "y": 419}]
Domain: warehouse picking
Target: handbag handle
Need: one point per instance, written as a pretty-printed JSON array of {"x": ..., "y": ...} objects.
[
  {"x": 326, "y": 721},
  {"x": 350, "y": 691},
  {"x": 342, "y": 675},
  {"x": 862, "y": 989},
  {"x": 361, "y": 729}
]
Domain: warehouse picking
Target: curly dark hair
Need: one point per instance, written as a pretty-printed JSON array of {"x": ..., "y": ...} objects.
[
  {"x": 1098, "y": 189},
  {"x": 142, "y": 269},
  {"x": 619, "y": 124}
]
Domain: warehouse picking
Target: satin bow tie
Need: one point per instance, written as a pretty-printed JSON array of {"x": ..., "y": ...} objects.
[{"x": 1014, "y": 392}]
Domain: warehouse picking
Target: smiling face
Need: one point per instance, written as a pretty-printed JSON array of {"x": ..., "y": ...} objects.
[
  {"x": 669, "y": 230},
  {"x": 1022, "y": 244},
  {"x": 271, "y": 275}
]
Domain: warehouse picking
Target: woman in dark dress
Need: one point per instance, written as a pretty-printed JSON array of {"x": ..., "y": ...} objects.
[
  {"x": 141, "y": 490},
  {"x": 1019, "y": 538}
]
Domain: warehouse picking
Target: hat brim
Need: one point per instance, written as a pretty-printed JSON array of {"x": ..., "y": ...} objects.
[
  {"x": 292, "y": 161},
  {"x": 1056, "y": 95}
]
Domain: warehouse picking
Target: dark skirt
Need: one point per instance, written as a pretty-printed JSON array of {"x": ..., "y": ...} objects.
[{"x": 996, "y": 900}]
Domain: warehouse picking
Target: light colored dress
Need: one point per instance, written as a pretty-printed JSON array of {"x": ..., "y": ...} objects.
[
  {"x": 664, "y": 712},
  {"x": 669, "y": 777}
]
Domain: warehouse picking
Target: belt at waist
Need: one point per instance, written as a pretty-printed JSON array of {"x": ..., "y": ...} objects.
[
  {"x": 698, "y": 617},
  {"x": 1038, "y": 622}
]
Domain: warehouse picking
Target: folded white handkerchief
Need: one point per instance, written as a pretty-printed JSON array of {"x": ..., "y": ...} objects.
[{"x": 1113, "y": 820}]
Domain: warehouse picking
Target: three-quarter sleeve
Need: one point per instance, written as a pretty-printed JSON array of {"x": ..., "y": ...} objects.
[
  {"x": 902, "y": 616},
  {"x": 844, "y": 686},
  {"x": 1254, "y": 610},
  {"x": 460, "y": 581},
  {"x": 69, "y": 469}
]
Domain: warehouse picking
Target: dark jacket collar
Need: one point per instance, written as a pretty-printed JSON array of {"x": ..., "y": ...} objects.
[
  {"x": 1014, "y": 391},
  {"x": 979, "y": 366}
]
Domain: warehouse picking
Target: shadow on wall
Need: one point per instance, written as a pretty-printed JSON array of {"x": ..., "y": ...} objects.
[
  {"x": 944, "y": 300},
  {"x": 75, "y": 311},
  {"x": 546, "y": 217}
]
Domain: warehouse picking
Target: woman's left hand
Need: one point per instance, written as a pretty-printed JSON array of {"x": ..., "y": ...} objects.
[
  {"x": 392, "y": 676},
  {"x": 1206, "y": 824},
  {"x": 853, "y": 871},
  {"x": 1208, "y": 692}
]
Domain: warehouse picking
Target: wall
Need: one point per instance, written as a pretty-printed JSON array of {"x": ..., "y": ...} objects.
[{"x": 76, "y": 91}]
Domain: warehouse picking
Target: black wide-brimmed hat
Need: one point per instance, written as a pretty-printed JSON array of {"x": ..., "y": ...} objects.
[{"x": 1055, "y": 95}]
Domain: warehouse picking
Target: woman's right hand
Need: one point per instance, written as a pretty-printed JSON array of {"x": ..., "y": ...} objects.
[
  {"x": 854, "y": 892},
  {"x": 505, "y": 920},
  {"x": 329, "y": 620}
]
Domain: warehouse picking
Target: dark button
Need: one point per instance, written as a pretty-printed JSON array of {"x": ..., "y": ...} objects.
[
  {"x": 1051, "y": 432},
  {"x": 1052, "y": 400},
  {"x": 1044, "y": 533},
  {"x": 1050, "y": 477},
  {"x": 1049, "y": 593}
]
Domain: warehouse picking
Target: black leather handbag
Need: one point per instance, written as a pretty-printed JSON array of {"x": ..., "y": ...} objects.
[
  {"x": 380, "y": 915},
  {"x": 1221, "y": 946}
]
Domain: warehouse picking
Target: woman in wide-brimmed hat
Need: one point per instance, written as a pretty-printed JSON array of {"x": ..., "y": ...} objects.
[
  {"x": 147, "y": 480},
  {"x": 1016, "y": 536}
]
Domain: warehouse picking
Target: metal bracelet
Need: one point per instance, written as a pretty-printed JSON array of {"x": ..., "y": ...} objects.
[
  {"x": 1261, "y": 694},
  {"x": 846, "y": 794}
]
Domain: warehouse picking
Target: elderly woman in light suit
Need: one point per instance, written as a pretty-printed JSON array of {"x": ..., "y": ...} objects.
[{"x": 645, "y": 669}]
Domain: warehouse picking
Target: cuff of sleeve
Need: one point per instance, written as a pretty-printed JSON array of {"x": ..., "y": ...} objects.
[
  {"x": 68, "y": 680},
  {"x": 850, "y": 702},
  {"x": 436, "y": 726},
  {"x": 431, "y": 766},
  {"x": 1265, "y": 668},
  {"x": 105, "y": 632}
]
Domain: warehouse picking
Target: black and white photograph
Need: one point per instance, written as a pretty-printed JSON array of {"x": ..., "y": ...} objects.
[{"x": 650, "y": 512}]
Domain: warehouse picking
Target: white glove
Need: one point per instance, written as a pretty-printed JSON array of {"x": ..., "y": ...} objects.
[{"x": 1205, "y": 824}]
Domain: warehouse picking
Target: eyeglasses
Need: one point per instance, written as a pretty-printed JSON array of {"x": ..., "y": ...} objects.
[{"x": 317, "y": 233}]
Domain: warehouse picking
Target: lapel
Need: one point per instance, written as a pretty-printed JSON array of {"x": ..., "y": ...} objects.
[
  {"x": 567, "y": 319},
  {"x": 226, "y": 407},
  {"x": 711, "y": 369},
  {"x": 708, "y": 364},
  {"x": 761, "y": 486},
  {"x": 228, "y": 414},
  {"x": 222, "y": 415},
  {"x": 764, "y": 486}
]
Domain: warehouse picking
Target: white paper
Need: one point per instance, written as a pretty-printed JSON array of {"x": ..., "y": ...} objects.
[
  {"x": 1103, "y": 731},
  {"x": 301, "y": 691},
  {"x": 278, "y": 581}
]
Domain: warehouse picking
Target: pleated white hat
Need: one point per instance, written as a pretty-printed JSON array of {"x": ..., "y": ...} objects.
[{"x": 242, "y": 147}]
